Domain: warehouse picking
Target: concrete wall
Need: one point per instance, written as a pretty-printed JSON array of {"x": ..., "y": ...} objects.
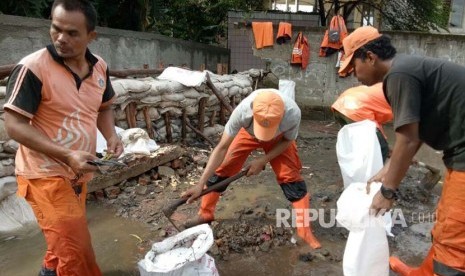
[
  {"x": 318, "y": 86},
  {"x": 121, "y": 49}
]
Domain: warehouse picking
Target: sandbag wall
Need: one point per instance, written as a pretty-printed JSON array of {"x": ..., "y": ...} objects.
[
  {"x": 151, "y": 104},
  {"x": 162, "y": 107}
]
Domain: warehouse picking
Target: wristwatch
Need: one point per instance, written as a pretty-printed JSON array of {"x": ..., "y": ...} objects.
[{"x": 389, "y": 193}]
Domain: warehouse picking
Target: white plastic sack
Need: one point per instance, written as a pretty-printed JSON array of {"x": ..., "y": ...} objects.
[
  {"x": 16, "y": 215},
  {"x": 101, "y": 146},
  {"x": 136, "y": 140},
  {"x": 183, "y": 76},
  {"x": 182, "y": 254},
  {"x": 358, "y": 152},
  {"x": 367, "y": 249},
  {"x": 287, "y": 87}
]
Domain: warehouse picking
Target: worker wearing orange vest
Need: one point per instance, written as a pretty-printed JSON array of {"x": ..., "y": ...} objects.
[{"x": 365, "y": 103}]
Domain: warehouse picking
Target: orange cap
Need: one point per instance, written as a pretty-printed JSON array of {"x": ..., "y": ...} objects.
[
  {"x": 268, "y": 110},
  {"x": 354, "y": 41}
]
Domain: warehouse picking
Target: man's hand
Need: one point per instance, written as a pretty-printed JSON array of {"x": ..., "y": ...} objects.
[
  {"x": 114, "y": 146},
  {"x": 77, "y": 160},
  {"x": 256, "y": 166},
  {"x": 380, "y": 204},
  {"x": 193, "y": 193}
]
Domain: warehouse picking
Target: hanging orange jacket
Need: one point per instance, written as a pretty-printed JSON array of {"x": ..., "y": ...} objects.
[
  {"x": 301, "y": 51},
  {"x": 332, "y": 40}
]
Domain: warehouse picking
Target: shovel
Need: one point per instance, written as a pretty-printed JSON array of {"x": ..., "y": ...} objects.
[{"x": 169, "y": 209}]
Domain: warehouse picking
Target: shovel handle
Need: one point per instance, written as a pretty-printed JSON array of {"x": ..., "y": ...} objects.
[{"x": 169, "y": 210}]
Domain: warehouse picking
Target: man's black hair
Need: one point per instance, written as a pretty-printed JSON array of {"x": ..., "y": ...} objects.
[
  {"x": 83, "y": 6},
  {"x": 381, "y": 46}
]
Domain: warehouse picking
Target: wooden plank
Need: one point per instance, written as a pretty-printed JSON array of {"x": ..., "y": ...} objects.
[
  {"x": 201, "y": 118},
  {"x": 169, "y": 135},
  {"x": 212, "y": 118},
  {"x": 218, "y": 93},
  {"x": 183, "y": 126},
  {"x": 139, "y": 166},
  {"x": 200, "y": 133},
  {"x": 148, "y": 122},
  {"x": 222, "y": 115},
  {"x": 131, "y": 111}
]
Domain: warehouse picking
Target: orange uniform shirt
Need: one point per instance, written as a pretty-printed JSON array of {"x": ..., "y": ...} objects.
[
  {"x": 60, "y": 105},
  {"x": 365, "y": 103}
]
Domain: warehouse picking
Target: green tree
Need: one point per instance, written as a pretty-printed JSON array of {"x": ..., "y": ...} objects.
[
  {"x": 408, "y": 15},
  {"x": 29, "y": 8}
]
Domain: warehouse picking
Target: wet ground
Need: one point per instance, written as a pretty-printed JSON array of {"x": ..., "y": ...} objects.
[{"x": 247, "y": 241}]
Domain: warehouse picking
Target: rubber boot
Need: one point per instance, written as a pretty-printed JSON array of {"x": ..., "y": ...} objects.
[
  {"x": 425, "y": 269},
  {"x": 206, "y": 213},
  {"x": 305, "y": 231},
  {"x": 47, "y": 272}
]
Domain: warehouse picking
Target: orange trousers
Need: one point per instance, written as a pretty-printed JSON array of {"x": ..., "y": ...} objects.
[
  {"x": 449, "y": 230},
  {"x": 61, "y": 215},
  {"x": 286, "y": 166}
]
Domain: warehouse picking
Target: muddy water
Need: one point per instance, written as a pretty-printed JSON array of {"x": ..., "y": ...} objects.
[{"x": 115, "y": 248}]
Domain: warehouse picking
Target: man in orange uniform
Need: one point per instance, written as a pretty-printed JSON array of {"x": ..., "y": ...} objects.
[
  {"x": 365, "y": 103},
  {"x": 58, "y": 96},
  {"x": 427, "y": 97},
  {"x": 268, "y": 120}
]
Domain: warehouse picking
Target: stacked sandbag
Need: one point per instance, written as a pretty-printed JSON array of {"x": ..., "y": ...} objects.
[
  {"x": 165, "y": 96},
  {"x": 159, "y": 97}
]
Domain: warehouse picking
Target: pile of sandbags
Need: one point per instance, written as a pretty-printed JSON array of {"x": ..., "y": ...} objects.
[{"x": 160, "y": 96}]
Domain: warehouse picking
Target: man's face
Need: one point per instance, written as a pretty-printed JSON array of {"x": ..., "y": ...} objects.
[
  {"x": 364, "y": 71},
  {"x": 69, "y": 33},
  {"x": 370, "y": 70}
]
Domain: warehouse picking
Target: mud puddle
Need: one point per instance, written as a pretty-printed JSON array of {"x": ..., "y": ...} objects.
[{"x": 247, "y": 238}]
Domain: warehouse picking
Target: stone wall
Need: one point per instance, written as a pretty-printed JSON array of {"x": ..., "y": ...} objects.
[{"x": 121, "y": 49}]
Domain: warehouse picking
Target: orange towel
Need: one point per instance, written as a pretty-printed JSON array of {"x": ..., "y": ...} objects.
[
  {"x": 263, "y": 33},
  {"x": 284, "y": 32}
]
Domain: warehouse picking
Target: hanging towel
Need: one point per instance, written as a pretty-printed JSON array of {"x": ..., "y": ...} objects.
[
  {"x": 300, "y": 52},
  {"x": 284, "y": 32},
  {"x": 263, "y": 34}
]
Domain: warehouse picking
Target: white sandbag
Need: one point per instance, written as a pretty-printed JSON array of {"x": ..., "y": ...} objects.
[
  {"x": 367, "y": 249},
  {"x": 133, "y": 85},
  {"x": 152, "y": 113},
  {"x": 189, "y": 102},
  {"x": 119, "y": 114},
  {"x": 8, "y": 186},
  {"x": 166, "y": 104},
  {"x": 176, "y": 97},
  {"x": 186, "y": 77},
  {"x": 101, "y": 145},
  {"x": 287, "y": 87},
  {"x": 234, "y": 90},
  {"x": 182, "y": 254},
  {"x": 214, "y": 131},
  {"x": 358, "y": 152},
  {"x": 191, "y": 93},
  {"x": 172, "y": 110},
  {"x": 16, "y": 216},
  {"x": 2, "y": 92},
  {"x": 192, "y": 110},
  {"x": 151, "y": 99},
  {"x": 137, "y": 141}
]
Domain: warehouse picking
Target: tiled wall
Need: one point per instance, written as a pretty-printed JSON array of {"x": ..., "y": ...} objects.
[{"x": 241, "y": 40}]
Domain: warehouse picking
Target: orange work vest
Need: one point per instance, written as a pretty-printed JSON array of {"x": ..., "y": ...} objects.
[{"x": 300, "y": 52}]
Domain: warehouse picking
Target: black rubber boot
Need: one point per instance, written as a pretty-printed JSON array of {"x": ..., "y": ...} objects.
[{"x": 47, "y": 272}]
